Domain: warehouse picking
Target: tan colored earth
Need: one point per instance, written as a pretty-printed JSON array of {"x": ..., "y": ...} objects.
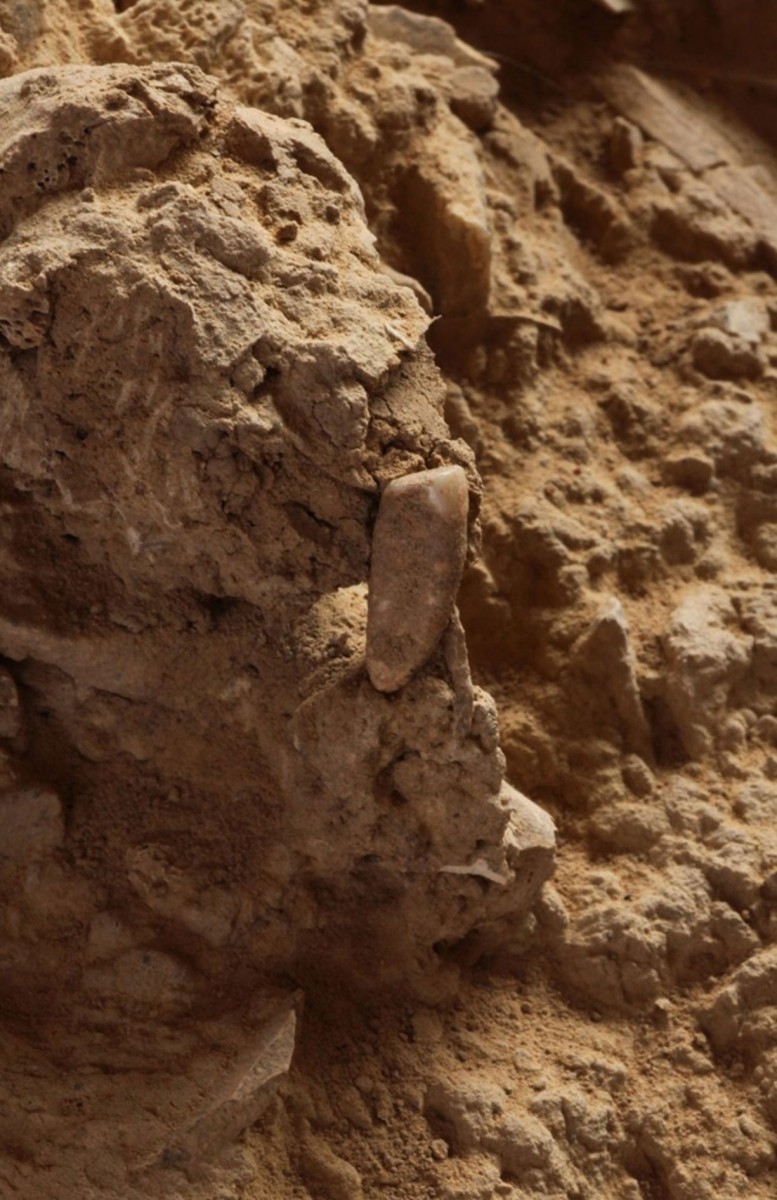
[{"x": 315, "y": 315}]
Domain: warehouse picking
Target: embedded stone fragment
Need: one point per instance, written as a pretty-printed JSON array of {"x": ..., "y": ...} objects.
[
  {"x": 424, "y": 35},
  {"x": 239, "y": 1098},
  {"x": 418, "y": 550},
  {"x": 530, "y": 846},
  {"x": 746, "y": 319},
  {"x": 526, "y": 857},
  {"x": 706, "y": 657},
  {"x": 733, "y": 433},
  {"x": 692, "y": 470},
  {"x": 474, "y": 96},
  {"x": 720, "y": 355},
  {"x": 626, "y": 146}
]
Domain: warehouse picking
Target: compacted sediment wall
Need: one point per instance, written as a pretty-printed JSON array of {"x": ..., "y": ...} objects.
[{"x": 379, "y": 450}]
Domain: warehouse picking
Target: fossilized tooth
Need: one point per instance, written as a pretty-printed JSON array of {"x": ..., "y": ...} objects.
[{"x": 418, "y": 550}]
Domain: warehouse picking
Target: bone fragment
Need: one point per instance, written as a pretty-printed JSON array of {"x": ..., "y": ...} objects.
[{"x": 480, "y": 868}]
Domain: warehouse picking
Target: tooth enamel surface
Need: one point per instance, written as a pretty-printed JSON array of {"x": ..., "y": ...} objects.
[{"x": 418, "y": 550}]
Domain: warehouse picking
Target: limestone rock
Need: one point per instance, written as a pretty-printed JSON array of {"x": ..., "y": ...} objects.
[
  {"x": 759, "y": 620},
  {"x": 693, "y": 470},
  {"x": 746, "y": 319},
  {"x": 444, "y": 197},
  {"x": 765, "y": 545},
  {"x": 685, "y": 531},
  {"x": 732, "y": 430},
  {"x": 706, "y": 656},
  {"x": 170, "y": 112},
  {"x": 700, "y": 225},
  {"x": 720, "y": 355},
  {"x": 474, "y": 93},
  {"x": 626, "y": 146},
  {"x": 238, "y": 1095},
  {"x": 8, "y": 53},
  {"x": 593, "y": 210},
  {"x": 627, "y": 827},
  {"x": 426, "y": 35}
]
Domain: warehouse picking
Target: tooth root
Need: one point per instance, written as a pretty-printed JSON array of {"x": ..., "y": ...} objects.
[{"x": 418, "y": 551}]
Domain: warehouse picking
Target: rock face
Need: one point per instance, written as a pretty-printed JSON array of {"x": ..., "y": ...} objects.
[{"x": 206, "y": 380}]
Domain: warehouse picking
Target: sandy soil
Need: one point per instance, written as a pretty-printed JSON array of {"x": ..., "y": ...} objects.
[{"x": 576, "y": 207}]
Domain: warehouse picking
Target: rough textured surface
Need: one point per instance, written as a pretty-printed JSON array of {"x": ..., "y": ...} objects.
[
  {"x": 207, "y": 378},
  {"x": 598, "y": 252}
]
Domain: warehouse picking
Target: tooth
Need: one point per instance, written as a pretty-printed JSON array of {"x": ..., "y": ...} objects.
[{"x": 418, "y": 549}]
